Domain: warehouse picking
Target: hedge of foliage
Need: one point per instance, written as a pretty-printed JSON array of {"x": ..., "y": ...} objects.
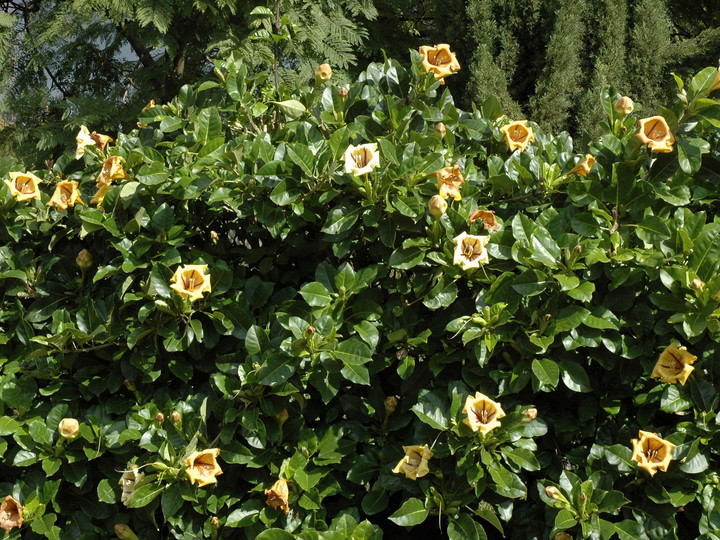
[{"x": 369, "y": 313}]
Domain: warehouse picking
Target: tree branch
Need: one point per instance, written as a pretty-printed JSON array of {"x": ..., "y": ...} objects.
[{"x": 129, "y": 31}]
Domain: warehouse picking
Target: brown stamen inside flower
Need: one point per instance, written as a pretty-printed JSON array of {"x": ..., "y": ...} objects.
[
  {"x": 439, "y": 58},
  {"x": 517, "y": 133},
  {"x": 655, "y": 454},
  {"x": 361, "y": 157},
  {"x": 655, "y": 130},
  {"x": 192, "y": 280},
  {"x": 486, "y": 414},
  {"x": 204, "y": 468},
  {"x": 675, "y": 364},
  {"x": 471, "y": 248},
  {"x": 414, "y": 459},
  {"x": 65, "y": 194},
  {"x": 24, "y": 186}
]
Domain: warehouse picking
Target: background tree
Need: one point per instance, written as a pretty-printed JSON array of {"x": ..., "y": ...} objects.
[
  {"x": 98, "y": 63},
  {"x": 548, "y": 59}
]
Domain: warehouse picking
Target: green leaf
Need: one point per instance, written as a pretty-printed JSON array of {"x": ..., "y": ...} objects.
[
  {"x": 274, "y": 534},
  {"x": 507, "y": 484},
  {"x": 465, "y": 528},
  {"x": 574, "y": 376},
  {"x": 564, "y": 520},
  {"x": 208, "y": 125},
  {"x": 246, "y": 515},
  {"x": 45, "y": 525},
  {"x": 674, "y": 399},
  {"x": 375, "y": 501},
  {"x": 432, "y": 409},
  {"x": 256, "y": 341},
  {"x": 276, "y": 369},
  {"x": 145, "y": 495},
  {"x": 690, "y": 151},
  {"x": 171, "y": 501},
  {"x": 546, "y": 371},
  {"x": 406, "y": 258},
  {"x": 105, "y": 492},
  {"x": 341, "y": 219},
  {"x": 291, "y": 107},
  {"x": 315, "y": 294},
  {"x": 301, "y": 156},
  {"x": 441, "y": 295},
  {"x": 705, "y": 257},
  {"x": 652, "y": 230},
  {"x": 412, "y": 512}
]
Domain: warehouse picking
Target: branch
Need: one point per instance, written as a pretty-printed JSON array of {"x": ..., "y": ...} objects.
[{"x": 129, "y": 31}]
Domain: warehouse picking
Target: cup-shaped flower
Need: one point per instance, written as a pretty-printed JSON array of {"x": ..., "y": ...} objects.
[
  {"x": 482, "y": 413},
  {"x": 277, "y": 495},
  {"x": 655, "y": 132},
  {"x": 624, "y": 106},
  {"x": 100, "y": 140},
  {"x": 203, "y": 467},
  {"x": 518, "y": 134},
  {"x": 190, "y": 280},
  {"x": 361, "y": 159},
  {"x": 83, "y": 139},
  {"x": 449, "y": 180},
  {"x": 66, "y": 194},
  {"x": 414, "y": 464},
  {"x": 437, "y": 206},
  {"x": 323, "y": 73},
  {"x": 439, "y": 61},
  {"x": 99, "y": 197},
  {"x": 674, "y": 365},
  {"x": 69, "y": 428},
  {"x": 651, "y": 452},
  {"x": 470, "y": 250},
  {"x": 583, "y": 167},
  {"x": 11, "y": 514},
  {"x": 23, "y": 186},
  {"x": 129, "y": 481},
  {"x": 112, "y": 169},
  {"x": 487, "y": 217}
]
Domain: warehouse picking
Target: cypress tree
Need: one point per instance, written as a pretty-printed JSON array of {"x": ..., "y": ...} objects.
[{"x": 561, "y": 81}]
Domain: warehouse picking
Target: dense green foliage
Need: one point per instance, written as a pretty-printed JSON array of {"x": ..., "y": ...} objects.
[{"x": 340, "y": 327}]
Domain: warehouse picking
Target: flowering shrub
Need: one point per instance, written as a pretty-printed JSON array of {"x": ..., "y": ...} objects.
[{"x": 269, "y": 293}]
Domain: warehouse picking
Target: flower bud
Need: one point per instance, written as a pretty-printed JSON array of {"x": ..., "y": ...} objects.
[
  {"x": 624, "y": 106},
  {"x": 578, "y": 249},
  {"x": 342, "y": 94},
  {"x": 563, "y": 536},
  {"x": 159, "y": 418},
  {"x": 323, "y": 73},
  {"x": 552, "y": 492},
  {"x": 175, "y": 417},
  {"x": 214, "y": 237},
  {"x": 130, "y": 385},
  {"x": 437, "y": 206},
  {"x": 68, "y": 428},
  {"x": 124, "y": 532},
  {"x": 214, "y": 522},
  {"x": 310, "y": 330},
  {"x": 529, "y": 415},
  {"x": 391, "y": 403},
  {"x": 84, "y": 259},
  {"x": 282, "y": 417},
  {"x": 440, "y": 129},
  {"x": 547, "y": 317},
  {"x": 697, "y": 284}
]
